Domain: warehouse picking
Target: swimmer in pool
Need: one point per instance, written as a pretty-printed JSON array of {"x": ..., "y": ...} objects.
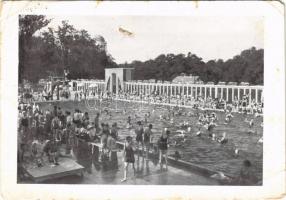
[
  {"x": 129, "y": 125},
  {"x": 213, "y": 116},
  {"x": 251, "y": 123},
  {"x": 148, "y": 114},
  {"x": 256, "y": 115},
  {"x": 210, "y": 128},
  {"x": 236, "y": 152},
  {"x": 202, "y": 120},
  {"x": 228, "y": 118},
  {"x": 177, "y": 155},
  {"x": 181, "y": 134},
  {"x": 251, "y": 131},
  {"x": 214, "y": 137},
  {"x": 260, "y": 140},
  {"x": 146, "y": 118},
  {"x": 106, "y": 111},
  {"x": 223, "y": 139},
  {"x": 184, "y": 124},
  {"x": 199, "y": 133}
]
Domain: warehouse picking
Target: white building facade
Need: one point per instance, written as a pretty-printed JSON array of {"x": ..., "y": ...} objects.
[{"x": 121, "y": 80}]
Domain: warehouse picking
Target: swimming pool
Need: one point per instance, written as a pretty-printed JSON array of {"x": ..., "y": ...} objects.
[{"x": 198, "y": 150}]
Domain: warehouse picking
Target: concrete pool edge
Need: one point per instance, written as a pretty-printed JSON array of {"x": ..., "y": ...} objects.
[
  {"x": 197, "y": 169},
  {"x": 181, "y": 164}
]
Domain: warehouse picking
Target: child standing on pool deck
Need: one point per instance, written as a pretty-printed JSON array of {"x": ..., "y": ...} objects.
[{"x": 128, "y": 156}]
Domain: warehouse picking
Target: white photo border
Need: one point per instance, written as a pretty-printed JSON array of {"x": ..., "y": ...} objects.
[{"x": 274, "y": 99}]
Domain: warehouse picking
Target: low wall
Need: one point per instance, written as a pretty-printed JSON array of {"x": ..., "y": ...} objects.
[{"x": 181, "y": 164}]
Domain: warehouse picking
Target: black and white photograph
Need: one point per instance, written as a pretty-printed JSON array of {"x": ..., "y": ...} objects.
[
  {"x": 148, "y": 99},
  {"x": 145, "y": 103}
]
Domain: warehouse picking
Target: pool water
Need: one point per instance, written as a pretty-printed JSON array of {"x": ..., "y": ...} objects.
[{"x": 198, "y": 150}]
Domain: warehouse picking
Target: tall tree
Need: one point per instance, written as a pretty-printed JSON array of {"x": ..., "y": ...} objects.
[
  {"x": 28, "y": 26},
  {"x": 53, "y": 50}
]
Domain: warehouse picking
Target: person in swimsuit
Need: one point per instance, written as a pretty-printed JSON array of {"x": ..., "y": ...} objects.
[
  {"x": 246, "y": 176},
  {"x": 111, "y": 145},
  {"x": 139, "y": 135},
  {"x": 228, "y": 117},
  {"x": 129, "y": 122},
  {"x": 163, "y": 149},
  {"x": 146, "y": 118},
  {"x": 56, "y": 127},
  {"x": 250, "y": 122},
  {"x": 51, "y": 148},
  {"x": 147, "y": 139},
  {"x": 128, "y": 156},
  {"x": 223, "y": 139},
  {"x": 38, "y": 151},
  {"x": 114, "y": 131},
  {"x": 210, "y": 128},
  {"x": 96, "y": 122}
]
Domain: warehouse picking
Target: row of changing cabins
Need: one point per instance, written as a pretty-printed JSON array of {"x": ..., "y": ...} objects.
[{"x": 228, "y": 92}]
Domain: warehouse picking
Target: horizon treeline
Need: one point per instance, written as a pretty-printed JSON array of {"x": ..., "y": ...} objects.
[{"x": 48, "y": 52}]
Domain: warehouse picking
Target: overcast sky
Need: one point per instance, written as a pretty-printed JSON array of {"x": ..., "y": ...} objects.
[{"x": 207, "y": 37}]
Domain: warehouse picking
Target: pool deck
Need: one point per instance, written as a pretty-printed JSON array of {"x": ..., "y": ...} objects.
[{"x": 147, "y": 173}]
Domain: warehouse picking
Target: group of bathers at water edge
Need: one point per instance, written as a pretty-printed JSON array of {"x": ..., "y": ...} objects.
[
  {"x": 42, "y": 133},
  {"x": 144, "y": 140}
]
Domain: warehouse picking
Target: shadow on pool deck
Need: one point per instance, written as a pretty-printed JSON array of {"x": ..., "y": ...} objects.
[{"x": 147, "y": 173}]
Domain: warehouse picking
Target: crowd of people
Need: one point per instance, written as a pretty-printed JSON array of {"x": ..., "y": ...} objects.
[
  {"x": 242, "y": 105},
  {"x": 46, "y": 133}
]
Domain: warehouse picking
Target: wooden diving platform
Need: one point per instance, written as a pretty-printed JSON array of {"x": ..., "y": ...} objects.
[{"x": 66, "y": 167}]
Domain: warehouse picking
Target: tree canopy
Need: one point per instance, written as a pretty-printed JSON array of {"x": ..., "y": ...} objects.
[
  {"x": 86, "y": 56},
  {"x": 52, "y": 51},
  {"x": 246, "y": 67}
]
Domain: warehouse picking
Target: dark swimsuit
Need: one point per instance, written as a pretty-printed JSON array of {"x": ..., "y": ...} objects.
[
  {"x": 163, "y": 143},
  {"x": 129, "y": 155},
  {"x": 139, "y": 135}
]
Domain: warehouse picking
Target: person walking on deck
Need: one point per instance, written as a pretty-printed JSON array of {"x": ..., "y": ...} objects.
[
  {"x": 96, "y": 122},
  {"x": 147, "y": 140},
  {"x": 104, "y": 154},
  {"x": 56, "y": 127},
  {"x": 111, "y": 145},
  {"x": 114, "y": 131},
  {"x": 163, "y": 149},
  {"x": 139, "y": 136},
  {"x": 128, "y": 157}
]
